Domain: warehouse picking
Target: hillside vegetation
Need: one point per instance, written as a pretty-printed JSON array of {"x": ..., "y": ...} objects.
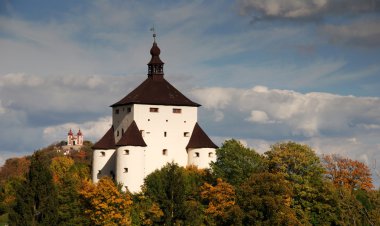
[{"x": 287, "y": 185}]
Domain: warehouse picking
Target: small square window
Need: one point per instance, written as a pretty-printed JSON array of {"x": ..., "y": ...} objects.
[
  {"x": 102, "y": 153},
  {"x": 186, "y": 134},
  {"x": 210, "y": 154},
  {"x": 125, "y": 170},
  {"x": 126, "y": 152},
  {"x": 165, "y": 152},
  {"x": 117, "y": 111},
  {"x": 153, "y": 110},
  {"x": 99, "y": 172},
  {"x": 177, "y": 110},
  {"x": 196, "y": 154},
  {"x": 129, "y": 110},
  {"x": 165, "y": 133}
]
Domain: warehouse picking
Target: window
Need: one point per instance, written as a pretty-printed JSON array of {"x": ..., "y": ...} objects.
[
  {"x": 117, "y": 133},
  {"x": 210, "y": 154},
  {"x": 196, "y": 154},
  {"x": 177, "y": 110},
  {"x": 165, "y": 152},
  {"x": 186, "y": 134},
  {"x": 99, "y": 172},
  {"x": 125, "y": 170},
  {"x": 153, "y": 109},
  {"x": 128, "y": 110},
  {"x": 126, "y": 152},
  {"x": 116, "y": 111},
  {"x": 122, "y": 131},
  {"x": 165, "y": 133},
  {"x": 102, "y": 153}
]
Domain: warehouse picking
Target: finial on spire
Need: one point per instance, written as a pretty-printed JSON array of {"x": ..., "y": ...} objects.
[{"x": 154, "y": 33}]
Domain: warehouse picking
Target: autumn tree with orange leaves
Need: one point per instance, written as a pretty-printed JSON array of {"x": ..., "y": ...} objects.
[
  {"x": 221, "y": 202},
  {"x": 348, "y": 173},
  {"x": 105, "y": 204}
]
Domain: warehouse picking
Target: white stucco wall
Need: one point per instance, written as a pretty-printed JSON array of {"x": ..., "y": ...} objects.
[
  {"x": 103, "y": 165},
  {"x": 130, "y": 163},
  {"x": 201, "y": 157},
  {"x": 165, "y": 130}
]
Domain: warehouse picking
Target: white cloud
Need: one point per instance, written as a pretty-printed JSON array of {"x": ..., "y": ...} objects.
[
  {"x": 308, "y": 115},
  {"x": 92, "y": 130}
]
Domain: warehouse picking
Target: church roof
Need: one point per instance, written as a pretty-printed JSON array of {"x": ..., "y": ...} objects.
[
  {"x": 132, "y": 137},
  {"x": 155, "y": 89},
  {"x": 107, "y": 141},
  {"x": 199, "y": 139}
]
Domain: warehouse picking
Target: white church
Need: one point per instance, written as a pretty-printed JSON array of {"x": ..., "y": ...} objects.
[{"x": 151, "y": 126}]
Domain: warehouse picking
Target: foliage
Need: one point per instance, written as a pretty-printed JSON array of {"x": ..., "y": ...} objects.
[
  {"x": 302, "y": 168},
  {"x": 221, "y": 202},
  {"x": 145, "y": 211},
  {"x": 36, "y": 197},
  {"x": 265, "y": 199},
  {"x": 171, "y": 189},
  {"x": 235, "y": 163},
  {"x": 68, "y": 178},
  {"x": 105, "y": 204},
  {"x": 14, "y": 167},
  {"x": 348, "y": 173}
]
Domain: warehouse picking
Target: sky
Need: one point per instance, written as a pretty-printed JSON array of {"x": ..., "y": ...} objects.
[{"x": 264, "y": 71}]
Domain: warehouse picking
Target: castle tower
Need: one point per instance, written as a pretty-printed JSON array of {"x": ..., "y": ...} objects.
[{"x": 153, "y": 125}]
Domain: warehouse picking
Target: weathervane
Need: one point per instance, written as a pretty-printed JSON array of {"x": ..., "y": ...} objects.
[{"x": 154, "y": 33}]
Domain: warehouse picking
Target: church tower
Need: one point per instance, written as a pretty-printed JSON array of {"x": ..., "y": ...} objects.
[{"x": 153, "y": 125}]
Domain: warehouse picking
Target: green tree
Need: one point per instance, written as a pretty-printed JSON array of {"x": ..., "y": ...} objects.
[
  {"x": 235, "y": 163},
  {"x": 172, "y": 188},
  {"x": 265, "y": 199},
  {"x": 68, "y": 177},
  {"x": 302, "y": 168},
  {"x": 36, "y": 197}
]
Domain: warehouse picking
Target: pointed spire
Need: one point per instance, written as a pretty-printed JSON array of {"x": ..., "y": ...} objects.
[{"x": 155, "y": 65}]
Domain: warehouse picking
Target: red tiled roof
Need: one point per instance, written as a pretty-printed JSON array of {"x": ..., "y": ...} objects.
[
  {"x": 106, "y": 142},
  {"x": 132, "y": 137},
  {"x": 156, "y": 92},
  {"x": 199, "y": 139}
]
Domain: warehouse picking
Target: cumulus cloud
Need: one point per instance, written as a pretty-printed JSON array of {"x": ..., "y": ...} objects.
[{"x": 307, "y": 115}]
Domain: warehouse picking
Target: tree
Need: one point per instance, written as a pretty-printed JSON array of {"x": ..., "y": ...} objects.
[
  {"x": 174, "y": 189},
  {"x": 145, "y": 211},
  {"x": 348, "y": 173},
  {"x": 302, "y": 168},
  {"x": 265, "y": 199},
  {"x": 68, "y": 178},
  {"x": 235, "y": 163},
  {"x": 14, "y": 167},
  {"x": 221, "y": 203},
  {"x": 36, "y": 197},
  {"x": 105, "y": 204}
]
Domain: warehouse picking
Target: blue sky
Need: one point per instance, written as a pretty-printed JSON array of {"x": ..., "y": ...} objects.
[{"x": 264, "y": 70}]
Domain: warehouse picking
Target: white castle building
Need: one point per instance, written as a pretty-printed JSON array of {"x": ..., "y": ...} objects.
[{"x": 153, "y": 125}]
